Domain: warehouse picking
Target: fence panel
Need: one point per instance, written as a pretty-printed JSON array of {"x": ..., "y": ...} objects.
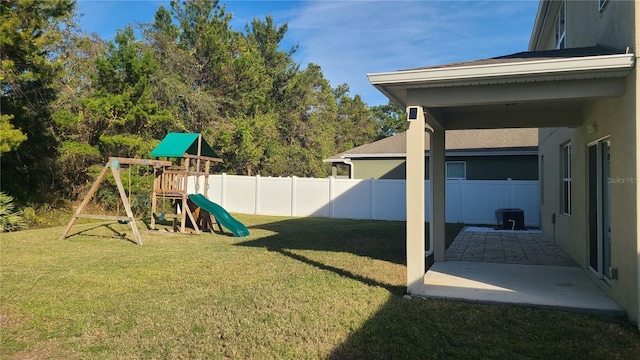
[
  {"x": 467, "y": 201},
  {"x": 274, "y": 196},
  {"x": 239, "y": 193},
  {"x": 390, "y": 201},
  {"x": 351, "y": 199},
  {"x": 311, "y": 197}
]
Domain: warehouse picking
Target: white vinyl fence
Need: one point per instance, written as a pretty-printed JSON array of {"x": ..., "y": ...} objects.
[{"x": 467, "y": 201}]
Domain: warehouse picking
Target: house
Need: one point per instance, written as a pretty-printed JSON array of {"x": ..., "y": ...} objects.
[
  {"x": 495, "y": 154},
  {"x": 578, "y": 84}
]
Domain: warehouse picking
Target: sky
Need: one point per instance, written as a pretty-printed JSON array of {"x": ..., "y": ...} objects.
[{"x": 351, "y": 38}]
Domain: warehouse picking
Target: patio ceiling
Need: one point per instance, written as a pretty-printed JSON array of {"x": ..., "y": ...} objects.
[{"x": 530, "y": 89}]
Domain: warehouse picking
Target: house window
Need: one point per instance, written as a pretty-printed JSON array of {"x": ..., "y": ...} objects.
[
  {"x": 561, "y": 27},
  {"x": 566, "y": 179},
  {"x": 541, "y": 179},
  {"x": 456, "y": 170},
  {"x": 601, "y": 4}
]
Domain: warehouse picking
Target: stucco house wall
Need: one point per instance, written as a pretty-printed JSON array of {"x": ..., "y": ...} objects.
[
  {"x": 494, "y": 154},
  {"x": 380, "y": 168},
  {"x": 615, "y": 118},
  {"x": 516, "y": 167}
]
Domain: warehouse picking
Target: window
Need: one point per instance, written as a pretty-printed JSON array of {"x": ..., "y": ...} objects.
[
  {"x": 566, "y": 179},
  {"x": 456, "y": 170},
  {"x": 561, "y": 27},
  {"x": 601, "y": 4},
  {"x": 541, "y": 180}
]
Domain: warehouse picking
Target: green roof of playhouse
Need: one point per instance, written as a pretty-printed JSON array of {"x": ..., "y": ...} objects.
[{"x": 176, "y": 145}]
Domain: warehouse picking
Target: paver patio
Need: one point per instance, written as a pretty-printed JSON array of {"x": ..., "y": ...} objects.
[
  {"x": 515, "y": 267},
  {"x": 476, "y": 244}
]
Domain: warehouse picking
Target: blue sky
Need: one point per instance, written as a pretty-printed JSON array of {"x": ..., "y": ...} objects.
[{"x": 351, "y": 38}]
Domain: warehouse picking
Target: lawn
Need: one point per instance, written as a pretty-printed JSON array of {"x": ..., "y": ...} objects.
[{"x": 296, "y": 288}]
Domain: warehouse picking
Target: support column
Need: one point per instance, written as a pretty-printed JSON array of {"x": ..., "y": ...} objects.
[
  {"x": 415, "y": 200},
  {"x": 437, "y": 179},
  {"x": 635, "y": 78}
]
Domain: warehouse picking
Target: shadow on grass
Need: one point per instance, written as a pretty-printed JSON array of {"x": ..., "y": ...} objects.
[
  {"x": 116, "y": 234},
  {"x": 373, "y": 239},
  {"x": 396, "y": 290},
  {"x": 382, "y": 240},
  {"x": 441, "y": 329},
  {"x": 419, "y": 328}
]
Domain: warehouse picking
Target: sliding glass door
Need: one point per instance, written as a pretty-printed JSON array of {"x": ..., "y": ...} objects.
[{"x": 599, "y": 188}]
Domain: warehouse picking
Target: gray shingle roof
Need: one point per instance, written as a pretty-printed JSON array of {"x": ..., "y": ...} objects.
[
  {"x": 494, "y": 139},
  {"x": 597, "y": 50}
]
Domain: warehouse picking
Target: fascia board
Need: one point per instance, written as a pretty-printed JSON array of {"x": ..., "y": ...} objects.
[
  {"x": 581, "y": 66},
  {"x": 447, "y": 153},
  {"x": 491, "y": 153},
  {"x": 388, "y": 155}
]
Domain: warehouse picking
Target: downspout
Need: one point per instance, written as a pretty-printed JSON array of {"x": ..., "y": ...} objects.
[
  {"x": 351, "y": 167},
  {"x": 430, "y": 251}
]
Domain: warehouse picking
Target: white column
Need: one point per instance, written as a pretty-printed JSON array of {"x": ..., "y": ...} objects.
[
  {"x": 415, "y": 201},
  {"x": 437, "y": 179},
  {"x": 636, "y": 79}
]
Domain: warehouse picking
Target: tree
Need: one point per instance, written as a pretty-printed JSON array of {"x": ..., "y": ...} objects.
[
  {"x": 108, "y": 106},
  {"x": 390, "y": 119},
  {"x": 121, "y": 104},
  {"x": 354, "y": 121},
  {"x": 30, "y": 37},
  {"x": 278, "y": 64},
  {"x": 10, "y": 137},
  {"x": 174, "y": 83}
]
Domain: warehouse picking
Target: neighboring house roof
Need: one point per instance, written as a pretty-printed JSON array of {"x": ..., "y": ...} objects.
[
  {"x": 460, "y": 142},
  {"x": 176, "y": 145}
]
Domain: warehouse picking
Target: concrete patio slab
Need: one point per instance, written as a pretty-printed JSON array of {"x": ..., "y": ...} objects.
[
  {"x": 525, "y": 247},
  {"x": 558, "y": 287}
]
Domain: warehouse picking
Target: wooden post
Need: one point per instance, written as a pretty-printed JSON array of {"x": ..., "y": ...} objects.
[
  {"x": 198, "y": 163},
  {"x": 206, "y": 178},
  {"x": 125, "y": 201},
  {"x": 154, "y": 198},
  {"x": 183, "y": 190},
  {"x": 114, "y": 164},
  {"x": 193, "y": 220},
  {"x": 86, "y": 200}
]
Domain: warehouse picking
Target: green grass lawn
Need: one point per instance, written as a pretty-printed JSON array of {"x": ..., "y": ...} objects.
[{"x": 296, "y": 288}]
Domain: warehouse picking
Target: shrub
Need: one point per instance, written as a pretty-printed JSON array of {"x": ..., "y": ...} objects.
[{"x": 10, "y": 220}]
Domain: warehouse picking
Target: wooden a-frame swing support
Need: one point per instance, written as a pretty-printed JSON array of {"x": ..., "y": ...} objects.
[{"x": 114, "y": 165}]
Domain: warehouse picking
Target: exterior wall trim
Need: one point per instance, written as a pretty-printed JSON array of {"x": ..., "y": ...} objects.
[{"x": 577, "y": 68}]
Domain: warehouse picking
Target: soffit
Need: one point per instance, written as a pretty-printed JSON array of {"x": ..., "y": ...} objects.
[{"x": 528, "y": 89}]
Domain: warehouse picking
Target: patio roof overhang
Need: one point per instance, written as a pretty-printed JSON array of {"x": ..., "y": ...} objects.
[
  {"x": 511, "y": 91},
  {"x": 524, "y": 90}
]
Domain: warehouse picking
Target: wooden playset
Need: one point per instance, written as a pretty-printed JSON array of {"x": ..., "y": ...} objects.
[{"x": 172, "y": 181}]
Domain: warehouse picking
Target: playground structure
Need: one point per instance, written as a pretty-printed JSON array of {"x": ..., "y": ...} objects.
[
  {"x": 193, "y": 157},
  {"x": 193, "y": 160}
]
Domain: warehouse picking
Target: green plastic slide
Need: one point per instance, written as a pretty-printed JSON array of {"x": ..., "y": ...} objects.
[{"x": 224, "y": 218}]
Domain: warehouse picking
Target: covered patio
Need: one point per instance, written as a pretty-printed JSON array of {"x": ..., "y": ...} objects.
[
  {"x": 515, "y": 267},
  {"x": 524, "y": 90}
]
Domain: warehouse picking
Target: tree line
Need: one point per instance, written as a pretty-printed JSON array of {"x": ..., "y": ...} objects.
[{"x": 71, "y": 99}]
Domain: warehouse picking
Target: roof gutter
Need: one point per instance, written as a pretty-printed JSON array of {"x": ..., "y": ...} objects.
[
  {"x": 456, "y": 152},
  {"x": 617, "y": 65},
  {"x": 351, "y": 167},
  {"x": 345, "y": 161}
]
